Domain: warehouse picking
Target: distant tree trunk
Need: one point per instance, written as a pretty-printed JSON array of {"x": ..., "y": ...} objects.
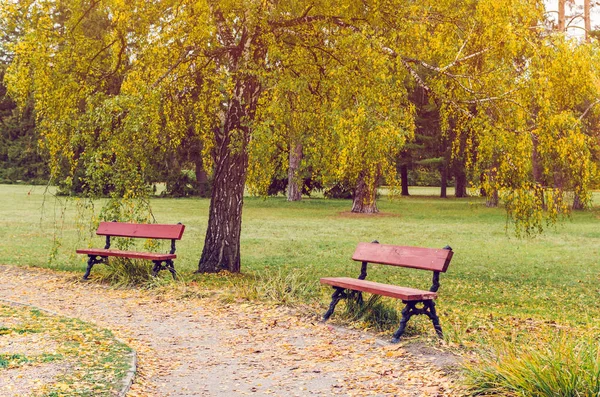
[
  {"x": 460, "y": 181},
  {"x": 444, "y": 180},
  {"x": 202, "y": 183},
  {"x": 561, "y": 15},
  {"x": 222, "y": 243},
  {"x": 445, "y": 169},
  {"x": 537, "y": 171},
  {"x": 577, "y": 203},
  {"x": 173, "y": 183},
  {"x": 365, "y": 196},
  {"x": 491, "y": 197},
  {"x": 294, "y": 191},
  {"x": 482, "y": 191},
  {"x": 404, "y": 179},
  {"x": 587, "y": 19}
]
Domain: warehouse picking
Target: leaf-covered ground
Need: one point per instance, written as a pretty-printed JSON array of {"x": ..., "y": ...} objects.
[
  {"x": 204, "y": 347},
  {"x": 47, "y": 355}
]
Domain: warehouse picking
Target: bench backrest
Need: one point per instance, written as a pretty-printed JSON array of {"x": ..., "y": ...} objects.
[
  {"x": 436, "y": 260},
  {"x": 120, "y": 229}
]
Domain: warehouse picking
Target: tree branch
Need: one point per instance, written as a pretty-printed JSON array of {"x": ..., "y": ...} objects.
[
  {"x": 597, "y": 101},
  {"x": 464, "y": 59},
  {"x": 489, "y": 99},
  {"x": 182, "y": 58},
  {"x": 306, "y": 19},
  {"x": 223, "y": 29},
  {"x": 93, "y": 4},
  {"x": 97, "y": 54},
  {"x": 443, "y": 69}
]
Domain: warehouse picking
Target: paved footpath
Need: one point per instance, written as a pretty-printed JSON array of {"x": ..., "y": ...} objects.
[{"x": 204, "y": 347}]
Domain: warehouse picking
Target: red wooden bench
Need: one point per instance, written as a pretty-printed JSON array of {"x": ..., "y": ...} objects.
[
  {"x": 135, "y": 230},
  {"x": 435, "y": 260}
]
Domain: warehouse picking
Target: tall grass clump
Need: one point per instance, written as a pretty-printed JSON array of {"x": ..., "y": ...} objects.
[
  {"x": 126, "y": 272},
  {"x": 282, "y": 287},
  {"x": 562, "y": 366},
  {"x": 372, "y": 312}
]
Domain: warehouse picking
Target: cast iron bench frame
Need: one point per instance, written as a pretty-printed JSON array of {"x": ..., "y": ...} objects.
[
  {"x": 135, "y": 230},
  {"x": 436, "y": 260}
]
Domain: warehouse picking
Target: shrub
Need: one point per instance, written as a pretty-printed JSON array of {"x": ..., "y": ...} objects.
[
  {"x": 279, "y": 186},
  {"x": 341, "y": 190}
]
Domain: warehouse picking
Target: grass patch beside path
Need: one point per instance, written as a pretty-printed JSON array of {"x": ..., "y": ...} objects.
[
  {"x": 560, "y": 365},
  {"x": 54, "y": 355}
]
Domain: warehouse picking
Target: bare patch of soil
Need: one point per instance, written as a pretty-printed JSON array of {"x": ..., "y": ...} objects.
[
  {"x": 350, "y": 214},
  {"x": 27, "y": 344},
  {"x": 7, "y": 323},
  {"x": 443, "y": 359},
  {"x": 23, "y": 381}
]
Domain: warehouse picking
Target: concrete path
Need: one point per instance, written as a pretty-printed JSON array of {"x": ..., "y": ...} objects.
[{"x": 203, "y": 347}]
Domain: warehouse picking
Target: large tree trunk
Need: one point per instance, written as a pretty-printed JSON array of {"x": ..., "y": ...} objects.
[
  {"x": 222, "y": 244},
  {"x": 365, "y": 195},
  {"x": 294, "y": 190},
  {"x": 404, "y": 179}
]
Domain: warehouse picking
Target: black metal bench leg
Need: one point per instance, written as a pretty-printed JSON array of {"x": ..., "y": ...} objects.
[
  {"x": 171, "y": 268},
  {"x": 335, "y": 298},
  {"x": 90, "y": 263},
  {"x": 407, "y": 313},
  {"x": 157, "y": 268},
  {"x": 359, "y": 298},
  {"x": 434, "y": 318},
  {"x": 92, "y": 260}
]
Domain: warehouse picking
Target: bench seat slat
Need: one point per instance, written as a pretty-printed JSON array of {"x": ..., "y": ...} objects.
[
  {"x": 157, "y": 231},
  {"x": 153, "y": 256},
  {"x": 404, "y": 293},
  {"x": 412, "y": 257}
]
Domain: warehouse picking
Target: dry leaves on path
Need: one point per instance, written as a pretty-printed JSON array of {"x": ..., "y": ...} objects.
[{"x": 204, "y": 347}]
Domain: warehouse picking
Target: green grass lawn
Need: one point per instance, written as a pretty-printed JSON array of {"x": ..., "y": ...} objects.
[{"x": 497, "y": 286}]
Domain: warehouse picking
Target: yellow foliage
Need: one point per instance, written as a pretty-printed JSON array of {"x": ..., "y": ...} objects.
[{"x": 115, "y": 83}]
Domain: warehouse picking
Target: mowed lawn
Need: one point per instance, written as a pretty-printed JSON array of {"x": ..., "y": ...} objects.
[{"x": 497, "y": 285}]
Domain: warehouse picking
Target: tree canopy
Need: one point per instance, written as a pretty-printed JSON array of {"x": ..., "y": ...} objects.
[{"x": 115, "y": 84}]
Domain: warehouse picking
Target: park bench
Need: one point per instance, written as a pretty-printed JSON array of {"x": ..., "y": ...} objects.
[
  {"x": 435, "y": 260},
  {"x": 135, "y": 230}
]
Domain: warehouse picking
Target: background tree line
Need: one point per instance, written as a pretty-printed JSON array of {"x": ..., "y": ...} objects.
[{"x": 421, "y": 162}]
